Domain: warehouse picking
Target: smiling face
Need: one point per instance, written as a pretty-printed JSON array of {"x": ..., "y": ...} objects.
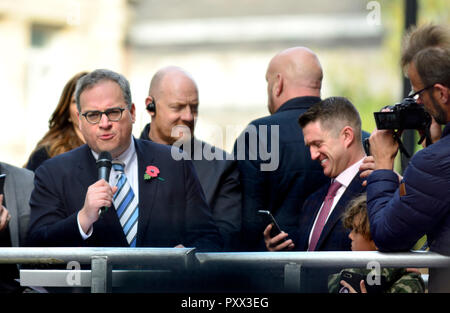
[
  {"x": 114, "y": 137},
  {"x": 327, "y": 148}
]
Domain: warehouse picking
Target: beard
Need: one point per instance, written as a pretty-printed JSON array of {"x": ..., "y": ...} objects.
[{"x": 439, "y": 114}]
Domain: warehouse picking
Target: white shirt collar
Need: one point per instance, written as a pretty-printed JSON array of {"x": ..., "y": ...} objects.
[{"x": 346, "y": 177}]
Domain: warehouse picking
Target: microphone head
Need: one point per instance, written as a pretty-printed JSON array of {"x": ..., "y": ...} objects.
[{"x": 104, "y": 159}]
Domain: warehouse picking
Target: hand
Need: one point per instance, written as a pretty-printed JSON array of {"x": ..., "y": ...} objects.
[
  {"x": 383, "y": 148},
  {"x": 98, "y": 195},
  {"x": 435, "y": 132},
  {"x": 272, "y": 243},
  {"x": 413, "y": 270},
  {"x": 4, "y": 215},
  {"x": 179, "y": 246},
  {"x": 362, "y": 286},
  {"x": 368, "y": 166}
]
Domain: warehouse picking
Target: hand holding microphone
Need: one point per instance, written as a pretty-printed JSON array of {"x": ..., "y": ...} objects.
[
  {"x": 99, "y": 195},
  {"x": 104, "y": 169}
]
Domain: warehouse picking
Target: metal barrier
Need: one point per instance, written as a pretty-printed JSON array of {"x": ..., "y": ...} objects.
[
  {"x": 292, "y": 263},
  {"x": 175, "y": 261},
  {"x": 101, "y": 275}
]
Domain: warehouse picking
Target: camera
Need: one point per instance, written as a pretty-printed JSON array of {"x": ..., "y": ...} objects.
[{"x": 407, "y": 114}]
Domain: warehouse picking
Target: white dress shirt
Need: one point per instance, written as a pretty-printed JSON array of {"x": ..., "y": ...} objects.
[
  {"x": 129, "y": 159},
  {"x": 344, "y": 178}
]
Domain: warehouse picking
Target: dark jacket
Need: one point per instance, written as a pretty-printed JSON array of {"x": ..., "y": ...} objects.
[
  {"x": 219, "y": 179},
  {"x": 171, "y": 212},
  {"x": 400, "y": 216},
  {"x": 283, "y": 190},
  {"x": 334, "y": 236}
]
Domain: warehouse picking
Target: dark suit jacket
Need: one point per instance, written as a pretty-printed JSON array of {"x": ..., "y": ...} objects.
[
  {"x": 16, "y": 191},
  {"x": 334, "y": 236},
  {"x": 219, "y": 179},
  {"x": 171, "y": 212},
  {"x": 283, "y": 190}
]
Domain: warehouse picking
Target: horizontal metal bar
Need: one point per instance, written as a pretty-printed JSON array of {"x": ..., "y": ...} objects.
[
  {"x": 179, "y": 258},
  {"x": 325, "y": 259},
  {"x": 82, "y": 278},
  {"x": 184, "y": 258}
]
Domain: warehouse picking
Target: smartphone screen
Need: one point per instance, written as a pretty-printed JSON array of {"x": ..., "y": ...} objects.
[{"x": 269, "y": 219}]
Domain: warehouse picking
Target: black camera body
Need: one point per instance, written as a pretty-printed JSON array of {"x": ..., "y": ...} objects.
[{"x": 407, "y": 114}]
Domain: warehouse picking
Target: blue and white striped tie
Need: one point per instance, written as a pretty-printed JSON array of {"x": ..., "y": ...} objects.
[{"x": 126, "y": 205}]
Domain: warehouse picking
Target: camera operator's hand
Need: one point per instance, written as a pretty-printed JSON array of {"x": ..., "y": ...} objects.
[
  {"x": 435, "y": 132},
  {"x": 383, "y": 148},
  {"x": 276, "y": 243}
]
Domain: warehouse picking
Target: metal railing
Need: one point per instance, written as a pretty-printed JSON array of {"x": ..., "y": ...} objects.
[{"x": 105, "y": 271}]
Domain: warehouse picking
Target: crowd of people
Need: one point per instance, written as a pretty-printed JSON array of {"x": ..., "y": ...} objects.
[{"x": 325, "y": 192}]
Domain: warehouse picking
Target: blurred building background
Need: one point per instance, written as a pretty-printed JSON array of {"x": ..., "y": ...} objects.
[{"x": 225, "y": 44}]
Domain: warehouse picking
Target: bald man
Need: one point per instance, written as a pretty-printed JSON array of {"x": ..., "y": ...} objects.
[
  {"x": 294, "y": 80},
  {"x": 172, "y": 104}
]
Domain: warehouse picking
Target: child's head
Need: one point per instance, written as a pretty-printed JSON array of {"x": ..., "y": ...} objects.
[{"x": 355, "y": 218}]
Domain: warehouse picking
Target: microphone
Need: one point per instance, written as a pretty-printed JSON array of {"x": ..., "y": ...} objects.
[{"x": 104, "y": 169}]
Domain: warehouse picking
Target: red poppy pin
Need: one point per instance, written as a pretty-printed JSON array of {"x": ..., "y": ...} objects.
[{"x": 152, "y": 172}]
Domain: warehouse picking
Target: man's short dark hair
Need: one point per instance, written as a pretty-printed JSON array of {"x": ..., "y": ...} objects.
[
  {"x": 334, "y": 113},
  {"x": 433, "y": 66},
  {"x": 99, "y": 75}
]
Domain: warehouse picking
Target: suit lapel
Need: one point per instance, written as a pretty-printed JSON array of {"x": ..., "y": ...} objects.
[
  {"x": 354, "y": 189},
  {"x": 147, "y": 189}
]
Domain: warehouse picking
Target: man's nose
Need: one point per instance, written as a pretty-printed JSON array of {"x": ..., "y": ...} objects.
[
  {"x": 314, "y": 153},
  {"x": 104, "y": 121},
  {"x": 188, "y": 114}
]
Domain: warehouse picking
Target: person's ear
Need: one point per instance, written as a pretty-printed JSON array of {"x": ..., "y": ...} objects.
[
  {"x": 442, "y": 93},
  {"x": 150, "y": 106},
  {"x": 279, "y": 85},
  {"x": 133, "y": 113},
  {"x": 348, "y": 135}
]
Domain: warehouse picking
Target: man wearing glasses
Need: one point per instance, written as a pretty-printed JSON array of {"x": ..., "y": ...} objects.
[
  {"x": 400, "y": 213},
  {"x": 148, "y": 194}
]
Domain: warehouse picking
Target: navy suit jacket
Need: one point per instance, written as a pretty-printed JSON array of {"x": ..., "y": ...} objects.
[
  {"x": 283, "y": 190},
  {"x": 171, "y": 212},
  {"x": 334, "y": 236}
]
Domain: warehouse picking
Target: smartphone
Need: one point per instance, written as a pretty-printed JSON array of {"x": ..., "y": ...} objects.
[
  {"x": 268, "y": 218},
  {"x": 2, "y": 185},
  {"x": 354, "y": 279}
]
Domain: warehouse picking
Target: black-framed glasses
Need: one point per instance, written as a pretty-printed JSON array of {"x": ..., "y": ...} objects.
[
  {"x": 113, "y": 115},
  {"x": 416, "y": 95}
]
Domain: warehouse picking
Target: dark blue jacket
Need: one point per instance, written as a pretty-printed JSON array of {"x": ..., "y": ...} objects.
[
  {"x": 334, "y": 236},
  {"x": 283, "y": 190},
  {"x": 172, "y": 211},
  {"x": 398, "y": 221}
]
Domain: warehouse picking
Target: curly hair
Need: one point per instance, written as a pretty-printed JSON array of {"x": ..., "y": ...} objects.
[{"x": 357, "y": 208}]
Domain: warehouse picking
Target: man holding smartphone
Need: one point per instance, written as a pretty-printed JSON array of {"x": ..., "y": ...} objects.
[
  {"x": 16, "y": 185},
  {"x": 332, "y": 131}
]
